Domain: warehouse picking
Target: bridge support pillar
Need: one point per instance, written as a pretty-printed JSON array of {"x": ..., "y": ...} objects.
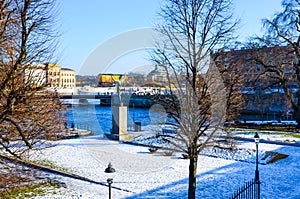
[{"x": 105, "y": 101}]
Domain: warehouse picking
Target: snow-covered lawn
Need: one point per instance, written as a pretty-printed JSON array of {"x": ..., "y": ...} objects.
[{"x": 140, "y": 174}]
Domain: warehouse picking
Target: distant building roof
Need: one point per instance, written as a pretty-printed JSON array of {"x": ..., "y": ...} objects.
[
  {"x": 112, "y": 74},
  {"x": 67, "y": 69}
]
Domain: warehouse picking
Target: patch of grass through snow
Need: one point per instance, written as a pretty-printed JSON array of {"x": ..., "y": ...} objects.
[
  {"x": 50, "y": 164},
  {"x": 295, "y": 135},
  {"x": 30, "y": 191}
]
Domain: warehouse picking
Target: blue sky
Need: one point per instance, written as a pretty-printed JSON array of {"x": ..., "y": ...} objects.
[{"x": 86, "y": 25}]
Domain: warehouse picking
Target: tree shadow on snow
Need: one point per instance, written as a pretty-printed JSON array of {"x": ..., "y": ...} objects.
[{"x": 278, "y": 180}]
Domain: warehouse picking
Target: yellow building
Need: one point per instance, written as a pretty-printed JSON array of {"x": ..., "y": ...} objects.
[
  {"x": 110, "y": 79},
  {"x": 61, "y": 77}
]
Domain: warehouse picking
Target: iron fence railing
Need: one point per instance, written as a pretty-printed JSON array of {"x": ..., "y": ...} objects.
[{"x": 251, "y": 190}]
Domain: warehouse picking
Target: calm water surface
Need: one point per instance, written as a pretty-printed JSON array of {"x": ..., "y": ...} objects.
[{"x": 99, "y": 118}]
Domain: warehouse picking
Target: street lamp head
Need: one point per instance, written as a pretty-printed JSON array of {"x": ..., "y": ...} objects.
[
  {"x": 109, "y": 180},
  {"x": 256, "y": 138}
]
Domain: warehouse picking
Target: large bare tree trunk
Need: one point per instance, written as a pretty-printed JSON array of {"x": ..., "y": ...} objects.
[
  {"x": 193, "y": 174},
  {"x": 296, "y": 107}
]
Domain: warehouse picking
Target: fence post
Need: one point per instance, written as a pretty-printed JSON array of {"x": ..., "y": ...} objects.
[{"x": 258, "y": 189}]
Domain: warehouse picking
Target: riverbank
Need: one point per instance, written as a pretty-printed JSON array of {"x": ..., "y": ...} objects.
[{"x": 74, "y": 133}]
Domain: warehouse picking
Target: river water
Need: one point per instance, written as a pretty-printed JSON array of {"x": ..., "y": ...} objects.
[{"x": 99, "y": 118}]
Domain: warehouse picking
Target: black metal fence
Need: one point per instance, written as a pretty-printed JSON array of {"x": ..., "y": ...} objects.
[{"x": 251, "y": 190}]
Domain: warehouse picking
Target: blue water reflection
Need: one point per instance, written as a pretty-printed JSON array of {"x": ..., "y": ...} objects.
[{"x": 99, "y": 118}]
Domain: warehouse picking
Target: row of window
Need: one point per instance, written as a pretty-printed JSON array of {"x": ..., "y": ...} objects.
[
  {"x": 68, "y": 80},
  {"x": 62, "y": 74},
  {"x": 67, "y": 74},
  {"x": 64, "y": 80},
  {"x": 64, "y": 85}
]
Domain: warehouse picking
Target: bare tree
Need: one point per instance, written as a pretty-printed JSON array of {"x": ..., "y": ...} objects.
[
  {"x": 235, "y": 80},
  {"x": 280, "y": 54},
  {"x": 191, "y": 30},
  {"x": 29, "y": 115}
]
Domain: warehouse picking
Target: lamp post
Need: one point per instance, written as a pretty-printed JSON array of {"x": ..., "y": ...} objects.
[
  {"x": 109, "y": 181},
  {"x": 256, "y": 139},
  {"x": 109, "y": 169}
]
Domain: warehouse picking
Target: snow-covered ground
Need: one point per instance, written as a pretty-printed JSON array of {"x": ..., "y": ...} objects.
[{"x": 140, "y": 174}]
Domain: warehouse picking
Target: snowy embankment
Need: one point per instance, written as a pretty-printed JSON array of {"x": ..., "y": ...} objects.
[{"x": 140, "y": 174}]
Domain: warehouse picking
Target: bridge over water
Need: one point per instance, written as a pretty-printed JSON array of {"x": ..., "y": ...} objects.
[{"x": 106, "y": 99}]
